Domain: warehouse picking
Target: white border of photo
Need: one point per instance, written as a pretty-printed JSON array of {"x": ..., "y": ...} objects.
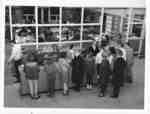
[{"x": 74, "y": 3}]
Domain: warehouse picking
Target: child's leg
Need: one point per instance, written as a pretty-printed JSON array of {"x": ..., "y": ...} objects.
[
  {"x": 30, "y": 82},
  {"x": 90, "y": 80},
  {"x": 87, "y": 80},
  {"x": 65, "y": 88},
  {"x": 129, "y": 77},
  {"x": 35, "y": 87},
  {"x": 51, "y": 86},
  {"x": 116, "y": 91},
  {"x": 103, "y": 89}
]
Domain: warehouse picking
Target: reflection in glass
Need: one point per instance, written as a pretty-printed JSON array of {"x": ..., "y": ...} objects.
[
  {"x": 92, "y": 15},
  {"x": 7, "y": 24},
  {"x": 24, "y": 34},
  {"x": 135, "y": 30},
  {"x": 48, "y": 34},
  {"x": 23, "y": 15},
  {"x": 90, "y": 32},
  {"x": 71, "y": 15},
  {"x": 70, "y": 33},
  {"x": 112, "y": 19},
  {"x": 48, "y": 15},
  {"x": 7, "y": 15},
  {"x": 138, "y": 14}
]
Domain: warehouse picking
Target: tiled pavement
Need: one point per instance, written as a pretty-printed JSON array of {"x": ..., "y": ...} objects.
[{"x": 131, "y": 96}]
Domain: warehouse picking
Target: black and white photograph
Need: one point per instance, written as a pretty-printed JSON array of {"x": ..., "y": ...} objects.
[{"x": 88, "y": 54}]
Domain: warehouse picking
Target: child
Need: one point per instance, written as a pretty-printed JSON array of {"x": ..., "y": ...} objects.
[
  {"x": 90, "y": 70},
  {"x": 77, "y": 71},
  {"x": 65, "y": 72},
  {"x": 51, "y": 72},
  {"x": 118, "y": 72},
  {"x": 104, "y": 72},
  {"x": 32, "y": 73}
]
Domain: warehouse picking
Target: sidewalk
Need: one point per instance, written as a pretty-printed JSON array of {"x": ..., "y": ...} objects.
[{"x": 131, "y": 96}]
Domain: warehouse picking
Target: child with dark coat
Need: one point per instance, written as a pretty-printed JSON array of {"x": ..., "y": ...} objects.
[
  {"x": 104, "y": 72},
  {"x": 77, "y": 72},
  {"x": 118, "y": 72},
  {"x": 32, "y": 73}
]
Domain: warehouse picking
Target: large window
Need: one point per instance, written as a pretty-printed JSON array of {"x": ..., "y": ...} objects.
[{"x": 46, "y": 25}]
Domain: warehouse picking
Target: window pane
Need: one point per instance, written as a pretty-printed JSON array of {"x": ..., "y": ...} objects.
[
  {"x": 90, "y": 32},
  {"x": 134, "y": 44},
  {"x": 24, "y": 34},
  {"x": 7, "y": 33},
  {"x": 138, "y": 13},
  {"x": 112, "y": 19},
  {"x": 92, "y": 15},
  {"x": 48, "y": 15},
  {"x": 48, "y": 34},
  {"x": 135, "y": 30},
  {"x": 71, "y": 15},
  {"x": 23, "y": 15},
  {"x": 125, "y": 25},
  {"x": 70, "y": 33},
  {"x": 7, "y": 15},
  {"x": 7, "y": 25}
]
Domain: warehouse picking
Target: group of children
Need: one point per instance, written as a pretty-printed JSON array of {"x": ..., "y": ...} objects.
[
  {"x": 104, "y": 63},
  {"x": 113, "y": 65}
]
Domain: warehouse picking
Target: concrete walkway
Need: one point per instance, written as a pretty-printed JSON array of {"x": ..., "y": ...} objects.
[{"x": 131, "y": 96}]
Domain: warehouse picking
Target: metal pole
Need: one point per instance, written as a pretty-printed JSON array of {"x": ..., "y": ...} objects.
[
  {"x": 141, "y": 40},
  {"x": 10, "y": 23},
  {"x": 60, "y": 24},
  {"x": 42, "y": 15},
  {"x": 49, "y": 15},
  {"x": 81, "y": 31},
  {"x": 121, "y": 24},
  {"x": 36, "y": 24},
  {"x": 101, "y": 21},
  {"x": 129, "y": 23}
]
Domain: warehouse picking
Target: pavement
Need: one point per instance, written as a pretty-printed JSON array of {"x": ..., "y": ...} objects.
[{"x": 131, "y": 96}]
